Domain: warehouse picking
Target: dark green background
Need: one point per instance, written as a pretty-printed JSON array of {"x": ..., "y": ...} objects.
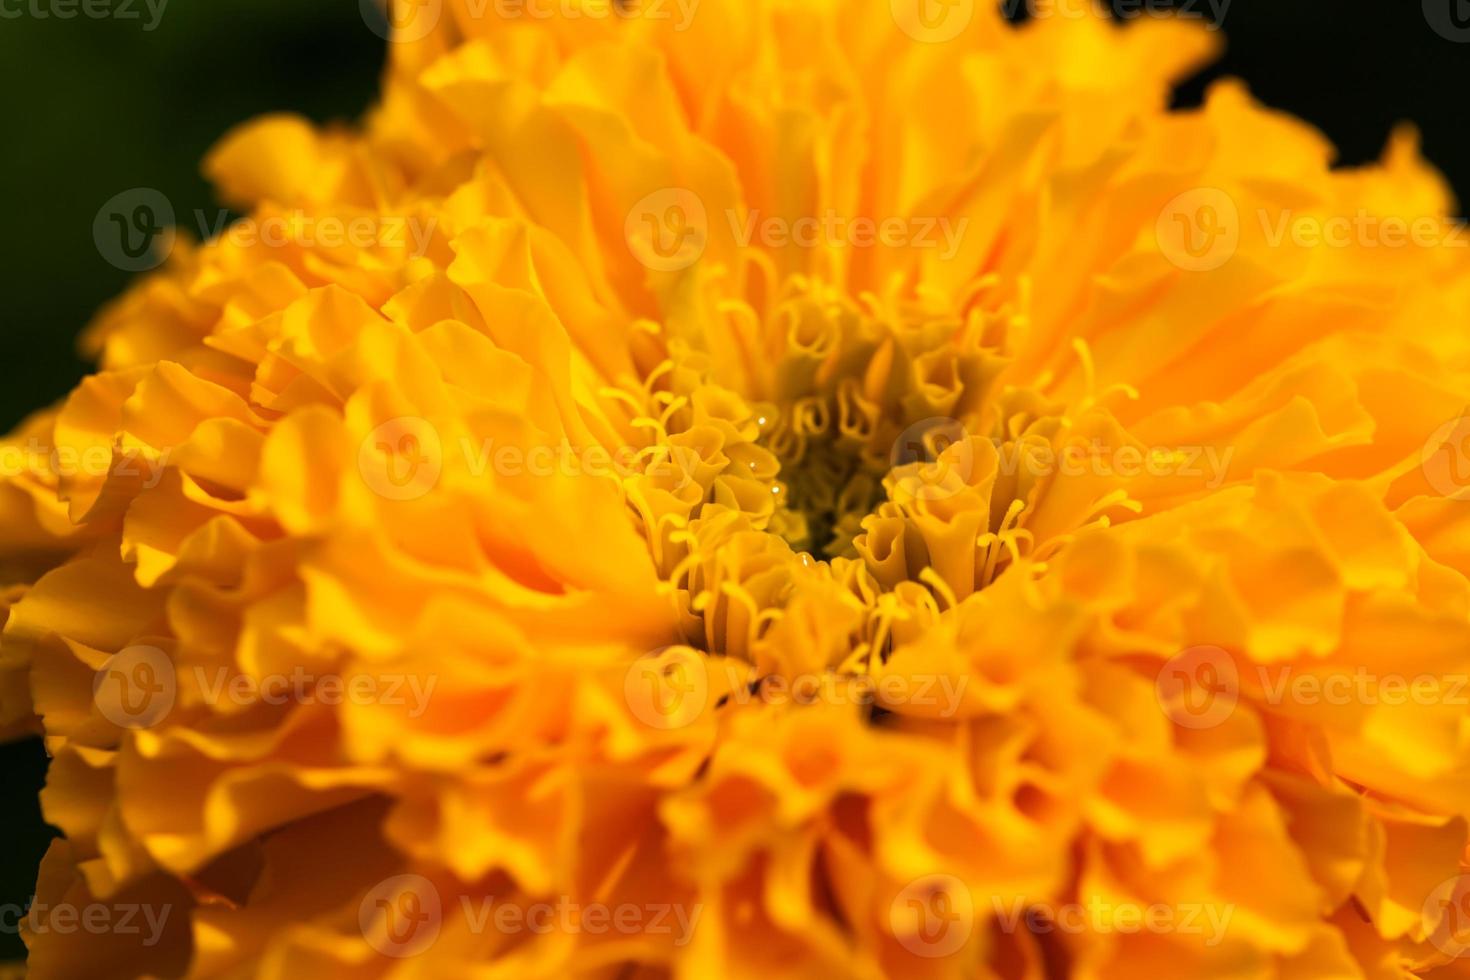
[{"x": 93, "y": 108}]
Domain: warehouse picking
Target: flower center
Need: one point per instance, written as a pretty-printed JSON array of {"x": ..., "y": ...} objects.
[
  {"x": 834, "y": 466},
  {"x": 841, "y": 386},
  {"x": 830, "y": 479}
]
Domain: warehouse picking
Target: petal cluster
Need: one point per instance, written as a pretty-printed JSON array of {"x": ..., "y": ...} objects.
[{"x": 771, "y": 493}]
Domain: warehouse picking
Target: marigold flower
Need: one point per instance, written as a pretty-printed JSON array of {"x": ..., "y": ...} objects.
[{"x": 792, "y": 491}]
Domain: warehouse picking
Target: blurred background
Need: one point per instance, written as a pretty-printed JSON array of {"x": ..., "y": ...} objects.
[{"x": 95, "y": 107}]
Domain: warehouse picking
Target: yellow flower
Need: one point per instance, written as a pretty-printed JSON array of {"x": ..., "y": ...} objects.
[{"x": 801, "y": 489}]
